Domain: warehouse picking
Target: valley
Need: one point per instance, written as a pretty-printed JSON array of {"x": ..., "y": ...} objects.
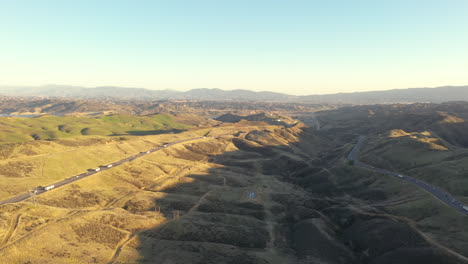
[
  {"x": 254, "y": 189},
  {"x": 234, "y": 132}
]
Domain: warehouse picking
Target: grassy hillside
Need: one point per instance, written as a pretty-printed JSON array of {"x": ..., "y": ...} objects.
[
  {"x": 42, "y": 162},
  {"x": 426, "y": 141},
  {"x": 421, "y": 155},
  {"x": 447, "y": 121},
  {"x": 15, "y": 130},
  {"x": 111, "y": 213},
  {"x": 260, "y": 195}
]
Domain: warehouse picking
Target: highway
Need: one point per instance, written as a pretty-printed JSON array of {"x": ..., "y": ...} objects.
[
  {"x": 39, "y": 191},
  {"x": 309, "y": 119},
  {"x": 438, "y": 193}
]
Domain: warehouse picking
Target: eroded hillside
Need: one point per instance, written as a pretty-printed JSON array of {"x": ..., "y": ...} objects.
[{"x": 250, "y": 193}]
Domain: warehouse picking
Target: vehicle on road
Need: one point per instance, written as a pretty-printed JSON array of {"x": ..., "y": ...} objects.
[
  {"x": 439, "y": 194},
  {"x": 46, "y": 188},
  {"x": 41, "y": 189}
]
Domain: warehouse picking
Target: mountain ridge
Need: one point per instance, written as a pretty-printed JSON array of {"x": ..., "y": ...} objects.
[{"x": 407, "y": 95}]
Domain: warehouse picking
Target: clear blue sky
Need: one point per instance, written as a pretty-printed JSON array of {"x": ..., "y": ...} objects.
[{"x": 292, "y": 46}]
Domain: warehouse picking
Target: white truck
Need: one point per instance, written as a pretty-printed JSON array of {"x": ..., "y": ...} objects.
[
  {"x": 400, "y": 176},
  {"x": 109, "y": 166},
  {"x": 465, "y": 208},
  {"x": 97, "y": 169},
  {"x": 48, "y": 188}
]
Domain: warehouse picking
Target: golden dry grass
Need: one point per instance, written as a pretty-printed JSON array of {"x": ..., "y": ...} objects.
[{"x": 85, "y": 222}]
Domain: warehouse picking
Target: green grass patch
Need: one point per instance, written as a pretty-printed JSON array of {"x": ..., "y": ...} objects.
[{"x": 16, "y": 130}]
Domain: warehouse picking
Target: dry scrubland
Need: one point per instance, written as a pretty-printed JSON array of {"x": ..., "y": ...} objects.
[
  {"x": 262, "y": 194},
  {"x": 421, "y": 140},
  {"x": 426, "y": 141},
  {"x": 122, "y": 214},
  {"x": 42, "y": 162},
  {"x": 423, "y": 155}
]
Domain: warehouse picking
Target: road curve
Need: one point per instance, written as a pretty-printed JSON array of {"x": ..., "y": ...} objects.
[
  {"x": 438, "y": 193},
  {"x": 24, "y": 196}
]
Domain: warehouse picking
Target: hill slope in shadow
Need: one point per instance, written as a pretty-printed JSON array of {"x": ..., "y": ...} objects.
[{"x": 265, "y": 195}]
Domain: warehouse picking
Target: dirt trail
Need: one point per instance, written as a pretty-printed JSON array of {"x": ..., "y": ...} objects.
[
  {"x": 6, "y": 241},
  {"x": 113, "y": 202},
  {"x": 5, "y": 244},
  {"x": 202, "y": 198},
  {"x": 272, "y": 253},
  {"x": 120, "y": 246},
  {"x": 11, "y": 231},
  {"x": 270, "y": 225},
  {"x": 270, "y": 222},
  {"x": 131, "y": 235},
  {"x": 67, "y": 216}
]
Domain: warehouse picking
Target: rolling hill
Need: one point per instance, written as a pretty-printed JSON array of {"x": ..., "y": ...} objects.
[{"x": 17, "y": 129}]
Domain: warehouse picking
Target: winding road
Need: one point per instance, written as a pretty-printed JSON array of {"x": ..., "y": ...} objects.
[
  {"x": 27, "y": 195},
  {"x": 438, "y": 193}
]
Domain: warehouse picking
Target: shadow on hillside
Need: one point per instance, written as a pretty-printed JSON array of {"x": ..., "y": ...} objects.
[
  {"x": 217, "y": 217},
  {"x": 261, "y": 117},
  {"x": 249, "y": 202},
  {"x": 378, "y": 119},
  {"x": 150, "y": 132}
]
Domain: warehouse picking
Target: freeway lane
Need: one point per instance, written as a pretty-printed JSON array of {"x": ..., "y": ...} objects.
[
  {"x": 24, "y": 196},
  {"x": 438, "y": 193}
]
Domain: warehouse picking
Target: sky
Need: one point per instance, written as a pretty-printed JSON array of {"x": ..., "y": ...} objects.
[{"x": 290, "y": 46}]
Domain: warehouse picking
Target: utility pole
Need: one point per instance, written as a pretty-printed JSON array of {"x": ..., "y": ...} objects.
[
  {"x": 43, "y": 165},
  {"x": 33, "y": 196},
  {"x": 175, "y": 214}
]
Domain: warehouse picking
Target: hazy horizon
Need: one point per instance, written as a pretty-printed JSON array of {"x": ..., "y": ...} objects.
[
  {"x": 185, "y": 90},
  {"x": 295, "y": 47}
]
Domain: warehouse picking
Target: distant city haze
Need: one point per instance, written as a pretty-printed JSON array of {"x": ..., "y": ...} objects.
[{"x": 298, "y": 47}]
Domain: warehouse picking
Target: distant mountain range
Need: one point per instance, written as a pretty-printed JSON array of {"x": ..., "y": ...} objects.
[{"x": 434, "y": 95}]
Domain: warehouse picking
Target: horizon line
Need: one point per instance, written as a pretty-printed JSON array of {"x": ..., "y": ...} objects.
[{"x": 216, "y": 88}]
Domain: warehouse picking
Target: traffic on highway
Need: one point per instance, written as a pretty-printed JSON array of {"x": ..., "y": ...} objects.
[
  {"x": 42, "y": 189},
  {"x": 440, "y": 194}
]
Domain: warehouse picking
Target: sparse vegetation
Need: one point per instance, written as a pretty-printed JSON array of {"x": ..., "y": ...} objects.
[{"x": 269, "y": 193}]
